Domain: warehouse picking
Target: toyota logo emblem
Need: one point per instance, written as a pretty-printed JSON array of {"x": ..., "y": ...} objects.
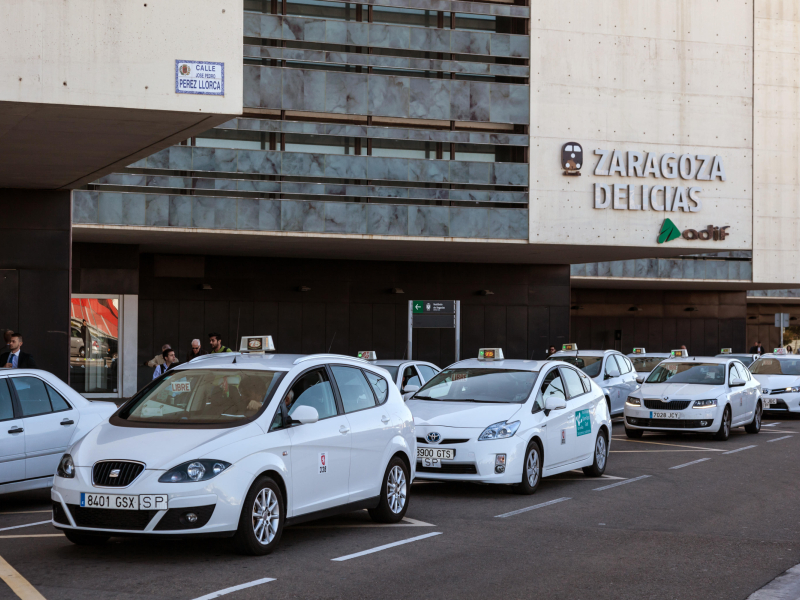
[{"x": 434, "y": 437}]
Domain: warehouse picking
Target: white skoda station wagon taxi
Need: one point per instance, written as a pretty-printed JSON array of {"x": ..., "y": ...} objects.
[
  {"x": 239, "y": 445},
  {"x": 700, "y": 394},
  {"x": 491, "y": 420}
]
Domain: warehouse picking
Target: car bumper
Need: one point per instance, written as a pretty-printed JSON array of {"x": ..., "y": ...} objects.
[
  {"x": 474, "y": 460},
  {"x": 784, "y": 402},
  {"x": 690, "y": 419},
  {"x": 216, "y": 505}
]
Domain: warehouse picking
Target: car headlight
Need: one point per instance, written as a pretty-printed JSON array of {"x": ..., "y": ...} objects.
[
  {"x": 499, "y": 431},
  {"x": 633, "y": 401},
  {"x": 66, "y": 467},
  {"x": 194, "y": 470},
  {"x": 792, "y": 389},
  {"x": 704, "y": 404}
]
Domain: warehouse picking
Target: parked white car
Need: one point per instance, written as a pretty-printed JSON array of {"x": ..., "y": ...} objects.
[
  {"x": 41, "y": 417},
  {"x": 408, "y": 375},
  {"x": 644, "y": 362},
  {"x": 239, "y": 445},
  {"x": 700, "y": 394},
  {"x": 779, "y": 376},
  {"x": 510, "y": 422}
]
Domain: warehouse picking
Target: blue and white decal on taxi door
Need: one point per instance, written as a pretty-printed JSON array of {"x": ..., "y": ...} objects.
[{"x": 583, "y": 422}]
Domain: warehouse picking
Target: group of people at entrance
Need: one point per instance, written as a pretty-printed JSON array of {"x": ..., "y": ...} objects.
[{"x": 161, "y": 363}]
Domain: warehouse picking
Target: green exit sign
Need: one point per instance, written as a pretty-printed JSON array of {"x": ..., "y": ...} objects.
[{"x": 418, "y": 306}]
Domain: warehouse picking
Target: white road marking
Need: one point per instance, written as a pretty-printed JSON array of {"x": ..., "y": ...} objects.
[
  {"x": 625, "y": 439},
  {"x": 739, "y": 450},
  {"x": 768, "y": 441},
  {"x": 585, "y": 477},
  {"x": 522, "y": 510},
  {"x": 235, "y": 588},
  {"x": 772, "y": 424},
  {"x": 26, "y": 525},
  {"x": 406, "y": 522},
  {"x": 613, "y": 485},
  {"x": 384, "y": 547},
  {"x": 646, "y": 451},
  {"x": 694, "y": 462}
]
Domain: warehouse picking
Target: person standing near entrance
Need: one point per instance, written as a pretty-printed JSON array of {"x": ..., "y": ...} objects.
[
  {"x": 215, "y": 341},
  {"x": 169, "y": 361},
  {"x": 757, "y": 349},
  {"x": 195, "y": 351},
  {"x": 15, "y": 358}
]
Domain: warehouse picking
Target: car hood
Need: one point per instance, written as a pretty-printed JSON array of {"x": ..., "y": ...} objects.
[
  {"x": 777, "y": 381},
  {"x": 681, "y": 390},
  {"x": 156, "y": 448},
  {"x": 460, "y": 414}
]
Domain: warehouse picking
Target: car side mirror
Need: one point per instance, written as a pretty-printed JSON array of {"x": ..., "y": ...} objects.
[
  {"x": 612, "y": 371},
  {"x": 305, "y": 414},
  {"x": 555, "y": 403},
  {"x": 640, "y": 378},
  {"x": 737, "y": 382},
  {"x": 410, "y": 389}
]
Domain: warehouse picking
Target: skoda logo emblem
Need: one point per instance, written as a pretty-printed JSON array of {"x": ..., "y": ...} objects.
[{"x": 434, "y": 437}]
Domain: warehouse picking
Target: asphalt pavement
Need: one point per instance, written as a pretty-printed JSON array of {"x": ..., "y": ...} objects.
[{"x": 675, "y": 517}]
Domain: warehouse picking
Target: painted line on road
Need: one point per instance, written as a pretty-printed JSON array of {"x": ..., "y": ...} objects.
[
  {"x": 613, "y": 485},
  {"x": 694, "y": 462},
  {"x": 786, "y": 437},
  {"x": 385, "y": 547},
  {"x": 585, "y": 477},
  {"x": 772, "y": 424},
  {"x": 406, "y": 522},
  {"x": 235, "y": 588},
  {"x": 649, "y": 451},
  {"x": 18, "y": 584},
  {"x": 522, "y": 510},
  {"x": 739, "y": 449},
  {"x": 625, "y": 439},
  {"x": 26, "y": 525}
]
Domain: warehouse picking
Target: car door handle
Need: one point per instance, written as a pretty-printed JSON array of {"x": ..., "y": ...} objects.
[
  {"x": 66, "y": 422},
  {"x": 343, "y": 429},
  {"x": 385, "y": 419},
  {"x": 16, "y": 430}
]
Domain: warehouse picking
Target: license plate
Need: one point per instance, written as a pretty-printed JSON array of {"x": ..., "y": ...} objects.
[
  {"x": 440, "y": 453},
  {"x": 432, "y": 463},
  {"x": 665, "y": 415},
  {"x": 769, "y": 401},
  {"x": 144, "y": 502}
]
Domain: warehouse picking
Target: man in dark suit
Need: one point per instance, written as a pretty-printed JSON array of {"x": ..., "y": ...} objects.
[
  {"x": 757, "y": 349},
  {"x": 15, "y": 358}
]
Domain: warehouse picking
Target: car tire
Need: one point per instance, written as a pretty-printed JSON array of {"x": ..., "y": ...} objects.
[
  {"x": 80, "y": 538},
  {"x": 531, "y": 470},
  {"x": 755, "y": 425},
  {"x": 262, "y": 518},
  {"x": 600, "y": 456},
  {"x": 393, "y": 504},
  {"x": 634, "y": 434},
  {"x": 724, "y": 431}
]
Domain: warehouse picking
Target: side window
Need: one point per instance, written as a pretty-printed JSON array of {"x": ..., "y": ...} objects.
[
  {"x": 57, "y": 400},
  {"x": 311, "y": 389},
  {"x": 410, "y": 377},
  {"x": 628, "y": 364},
  {"x": 32, "y": 396},
  {"x": 573, "y": 382},
  {"x": 6, "y": 406},
  {"x": 623, "y": 368},
  {"x": 426, "y": 372},
  {"x": 740, "y": 371},
  {"x": 379, "y": 385},
  {"x": 552, "y": 387},
  {"x": 353, "y": 388},
  {"x": 587, "y": 383},
  {"x": 732, "y": 372}
]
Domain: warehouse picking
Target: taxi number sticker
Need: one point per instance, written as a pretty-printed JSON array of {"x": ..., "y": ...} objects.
[{"x": 323, "y": 463}]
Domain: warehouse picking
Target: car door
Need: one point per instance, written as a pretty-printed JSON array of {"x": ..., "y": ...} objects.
[
  {"x": 320, "y": 454},
  {"x": 629, "y": 376},
  {"x": 579, "y": 404},
  {"x": 747, "y": 393},
  {"x": 736, "y": 396},
  {"x": 612, "y": 382},
  {"x": 49, "y": 422},
  {"x": 560, "y": 424},
  {"x": 371, "y": 430},
  {"x": 12, "y": 437}
]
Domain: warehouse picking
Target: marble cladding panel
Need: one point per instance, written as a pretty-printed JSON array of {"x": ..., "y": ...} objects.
[
  {"x": 393, "y": 169},
  {"x": 508, "y": 223},
  {"x": 389, "y": 96},
  {"x": 428, "y": 170},
  {"x": 509, "y": 103},
  {"x": 389, "y": 36},
  {"x": 346, "y": 93},
  {"x": 345, "y": 217},
  {"x": 302, "y": 164},
  {"x": 346, "y": 167},
  {"x": 469, "y": 222},
  {"x": 247, "y": 214},
  {"x": 302, "y": 216},
  {"x": 509, "y": 173},
  {"x": 269, "y": 215},
  {"x": 429, "y": 221},
  {"x": 156, "y": 210},
  {"x": 84, "y": 206},
  {"x": 180, "y": 211},
  {"x": 429, "y": 99},
  {"x": 677, "y": 268},
  {"x": 387, "y": 219},
  {"x": 109, "y": 208}
]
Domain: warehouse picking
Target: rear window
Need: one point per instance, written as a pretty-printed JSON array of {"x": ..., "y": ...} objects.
[
  {"x": 646, "y": 364},
  {"x": 774, "y": 366},
  {"x": 703, "y": 373},
  {"x": 479, "y": 385},
  {"x": 590, "y": 365}
]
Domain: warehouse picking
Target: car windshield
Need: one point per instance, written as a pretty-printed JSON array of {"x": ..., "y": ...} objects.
[
  {"x": 645, "y": 364},
  {"x": 203, "y": 397},
  {"x": 590, "y": 365},
  {"x": 773, "y": 366},
  {"x": 704, "y": 373},
  {"x": 747, "y": 359},
  {"x": 479, "y": 385}
]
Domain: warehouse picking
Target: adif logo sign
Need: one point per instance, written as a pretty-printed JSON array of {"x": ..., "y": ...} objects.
[{"x": 669, "y": 231}]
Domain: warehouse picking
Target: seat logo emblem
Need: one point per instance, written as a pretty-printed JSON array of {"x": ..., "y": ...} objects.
[
  {"x": 114, "y": 473},
  {"x": 433, "y": 437}
]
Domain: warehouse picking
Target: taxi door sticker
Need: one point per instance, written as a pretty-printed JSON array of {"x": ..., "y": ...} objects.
[
  {"x": 563, "y": 436},
  {"x": 323, "y": 463},
  {"x": 583, "y": 422}
]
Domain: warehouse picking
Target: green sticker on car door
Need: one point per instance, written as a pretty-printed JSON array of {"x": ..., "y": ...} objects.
[{"x": 583, "y": 422}]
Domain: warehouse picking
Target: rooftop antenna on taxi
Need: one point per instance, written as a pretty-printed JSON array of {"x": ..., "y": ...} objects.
[{"x": 331, "y": 346}]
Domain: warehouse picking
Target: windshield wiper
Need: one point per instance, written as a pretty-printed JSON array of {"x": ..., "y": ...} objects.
[
  {"x": 474, "y": 400},
  {"x": 423, "y": 398}
]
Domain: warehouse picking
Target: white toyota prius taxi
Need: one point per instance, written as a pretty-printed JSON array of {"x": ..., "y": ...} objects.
[
  {"x": 512, "y": 422},
  {"x": 238, "y": 445},
  {"x": 779, "y": 376},
  {"x": 700, "y": 394}
]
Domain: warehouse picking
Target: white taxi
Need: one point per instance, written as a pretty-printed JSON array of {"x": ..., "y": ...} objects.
[
  {"x": 609, "y": 369},
  {"x": 700, "y": 394},
  {"x": 491, "y": 420},
  {"x": 747, "y": 359},
  {"x": 408, "y": 375},
  {"x": 644, "y": 362},
  {"x": 779, "y": 376},
  {"x": 238, "y": 445}
]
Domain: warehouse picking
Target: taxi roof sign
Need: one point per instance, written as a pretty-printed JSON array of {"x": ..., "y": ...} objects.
[
  {"x": 490, "y": 354},
  {"x": 367, "y": 354},
  {"x": 727, "y": 351},
  {"x": 682, "y": 353},
  {"x": 565, "y": 347},
  {"x": 779, "y": 351},
  {"x": 256, "y": 344},
  {"x": 639, "y": 351}
]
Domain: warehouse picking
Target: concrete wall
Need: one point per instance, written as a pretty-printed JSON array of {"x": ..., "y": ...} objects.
[
  {"x": 644, "y": 75},
  {"x": 776, "y": 164}
]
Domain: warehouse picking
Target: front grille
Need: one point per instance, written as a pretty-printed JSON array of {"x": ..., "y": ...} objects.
[
  {"x": 59, "y": 516},
  {"x": 449, "y": 469},
  {"x": 175, "y": 518},
  {"x": 128, "y": 471},
  {"x": 778, "y": 405},
  {"x": 443, "y": 442},
  {"x": 670, "y": 423},
  {"x": 111, "y": 518},
  {"x": 671, "y": 405}
]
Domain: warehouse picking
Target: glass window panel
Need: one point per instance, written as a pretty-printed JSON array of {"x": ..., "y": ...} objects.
[
  {"x": 573, "y": 382},
  {"x": 95, "y": 326},
  {"x": 410, "y": 377},
  {"x": 379, "y": 385},
  {"x": 353, "y": 388},
  {"x": 32, "y": 396},
  {"x": 6, "y": 408},
  {"x": 426, "y": 371},
  {"x": 311, "y": 389},
  {"x": 57, "y": 400}
]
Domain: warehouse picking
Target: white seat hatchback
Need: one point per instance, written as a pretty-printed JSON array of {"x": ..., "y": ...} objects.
[{"x": 240, "y": 445}]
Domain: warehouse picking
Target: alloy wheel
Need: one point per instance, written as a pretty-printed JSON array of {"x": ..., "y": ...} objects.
[
  {"x": 266, "y": 516},
  {"x": 600, "y": 452},
  {"x": 532, "y": 467},
  {"x": 396, "y": 489}
]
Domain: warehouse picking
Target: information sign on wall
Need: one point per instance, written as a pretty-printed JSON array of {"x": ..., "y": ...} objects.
[{"x": 199, "y": 77}]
